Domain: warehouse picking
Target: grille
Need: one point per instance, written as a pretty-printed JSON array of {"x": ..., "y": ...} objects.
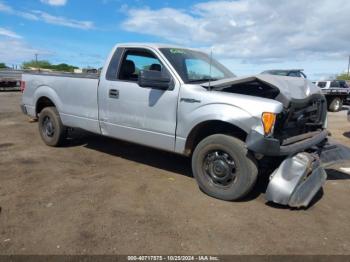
[{"x": 301, "y": 118}]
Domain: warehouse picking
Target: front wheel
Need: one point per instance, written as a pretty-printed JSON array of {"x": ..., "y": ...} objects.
[
  {"x": 223, "y": 167},
  {"x": 335, "y": 104},
  {"x": 51, "y": 128}
]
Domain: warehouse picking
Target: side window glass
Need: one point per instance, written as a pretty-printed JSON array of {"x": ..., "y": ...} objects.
[
  {"x": 342, "y": 84},
  {"x": 321, "y": 84},
  {"x": 136, "y": 60},
  {"x": 334, "y": 84},
  {"x": 294, "y": 74}
]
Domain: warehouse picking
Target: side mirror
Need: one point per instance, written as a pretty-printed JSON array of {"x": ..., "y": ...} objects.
[{"x": 154, "y": 79}]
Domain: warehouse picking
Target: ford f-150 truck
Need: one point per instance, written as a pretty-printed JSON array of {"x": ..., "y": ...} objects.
[{"x": 180, "y": 100}]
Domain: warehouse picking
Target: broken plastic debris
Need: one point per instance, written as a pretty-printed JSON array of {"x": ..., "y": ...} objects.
[
  {"x": 32, "y": 120},
  {"x": 345, "y": 169}
]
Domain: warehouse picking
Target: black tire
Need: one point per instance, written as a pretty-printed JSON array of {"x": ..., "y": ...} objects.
[
  {"x": 335, "y": 104},
  {"x": 243, "y": 167},
  {"x": 51, "y": 128}
]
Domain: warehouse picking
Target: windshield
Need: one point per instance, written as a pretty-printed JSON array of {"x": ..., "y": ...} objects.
[
  {"x": 194, "y": 66},
  {"x": 285, "y": 73},
  {"x": 280, "y": 73}
]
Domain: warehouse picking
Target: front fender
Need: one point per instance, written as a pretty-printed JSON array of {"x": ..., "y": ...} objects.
[
  {"x": 222, "y": 112},
  {"x": 192, "y": 117}
]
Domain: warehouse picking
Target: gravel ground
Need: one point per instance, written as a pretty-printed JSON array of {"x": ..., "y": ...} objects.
[{"x": 103, "y": 196}]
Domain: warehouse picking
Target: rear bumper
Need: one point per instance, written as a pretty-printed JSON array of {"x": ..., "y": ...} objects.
[{"x": 258, "y": 143}]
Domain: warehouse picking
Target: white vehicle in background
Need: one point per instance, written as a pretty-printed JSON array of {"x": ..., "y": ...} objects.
[
  {"x": 286, "y": 72},
  {"x": 336, "y": 93}
]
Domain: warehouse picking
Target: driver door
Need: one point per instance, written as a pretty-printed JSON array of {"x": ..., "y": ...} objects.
[{"x": 133, "y": 113}]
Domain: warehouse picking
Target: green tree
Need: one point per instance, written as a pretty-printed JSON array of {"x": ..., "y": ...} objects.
[
  {"x": 44, "y": 64},
  {"x": 3, "y": 65},
  {"x": 64, "y": 67},
  {"x": 344, "y": 76},
  {"x": 37, "y": 64}
]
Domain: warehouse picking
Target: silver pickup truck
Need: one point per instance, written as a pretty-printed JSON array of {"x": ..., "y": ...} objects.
[{"x": 180, "y": 100}]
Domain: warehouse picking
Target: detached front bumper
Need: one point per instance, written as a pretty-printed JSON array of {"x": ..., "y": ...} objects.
[
  {"x": 300, "y": 176},
  {"x": 296, "y": 181},
  {"x": 268, "y": 146}
]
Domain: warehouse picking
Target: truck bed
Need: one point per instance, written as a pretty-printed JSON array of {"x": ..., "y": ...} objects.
[
  {"x": 63, "y": 74},
  {"x": 75, "y": 96}
]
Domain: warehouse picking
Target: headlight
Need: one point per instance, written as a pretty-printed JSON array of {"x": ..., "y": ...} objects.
[{"x": 268, "y": 120}]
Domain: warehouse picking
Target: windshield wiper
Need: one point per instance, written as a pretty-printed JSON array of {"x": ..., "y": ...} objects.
[{"x": 201, "y": 80}]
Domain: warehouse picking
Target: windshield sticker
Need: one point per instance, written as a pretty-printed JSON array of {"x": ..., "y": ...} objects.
[{"x": 177, "y": 51}]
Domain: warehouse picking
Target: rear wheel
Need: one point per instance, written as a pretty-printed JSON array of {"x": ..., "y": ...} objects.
[
  {"x": 223, "y": 167},
  {"x": 335, "y": 104},
  {"x": 51, "y": 128}
]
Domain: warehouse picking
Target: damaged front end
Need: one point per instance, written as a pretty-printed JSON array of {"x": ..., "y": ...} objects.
[
  {"x": 299, "y": 135},
  {"x": 297, "y": 128}
]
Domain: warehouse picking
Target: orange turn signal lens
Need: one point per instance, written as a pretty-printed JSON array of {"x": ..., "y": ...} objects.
[{"x": 268, "y": 120}]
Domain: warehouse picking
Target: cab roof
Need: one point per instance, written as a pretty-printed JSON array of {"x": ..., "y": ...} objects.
[{"x": 152, "y": 45}]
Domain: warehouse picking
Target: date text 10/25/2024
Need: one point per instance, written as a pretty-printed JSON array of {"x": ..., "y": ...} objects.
[{"x": 173, "y": 258}]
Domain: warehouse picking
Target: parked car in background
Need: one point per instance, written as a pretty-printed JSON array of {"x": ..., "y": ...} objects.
[
  {"x": 286, "y": 72},
  {"x": 336, "y": 93},
  {"x": 10, "y": 79}
]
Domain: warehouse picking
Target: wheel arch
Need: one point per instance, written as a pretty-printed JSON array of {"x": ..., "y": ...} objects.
[
  {"x": 43, "y": 102},
  {"x": 211, "y": 127},
  {"x": 46, "y": 96}
]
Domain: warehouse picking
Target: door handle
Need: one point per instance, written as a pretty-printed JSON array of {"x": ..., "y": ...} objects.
[{"x": 113, "y": 93}]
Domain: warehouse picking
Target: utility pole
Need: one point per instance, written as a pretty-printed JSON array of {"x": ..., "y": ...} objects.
[
  {"x": 36, "y": 62},
  {"x": 349, "y": 66}
]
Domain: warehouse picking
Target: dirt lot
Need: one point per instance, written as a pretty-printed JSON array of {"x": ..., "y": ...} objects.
[{"x": 99, "y": 195}]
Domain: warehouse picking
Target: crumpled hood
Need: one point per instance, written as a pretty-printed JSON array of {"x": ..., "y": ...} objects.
[{"x": 290, "y": 88}]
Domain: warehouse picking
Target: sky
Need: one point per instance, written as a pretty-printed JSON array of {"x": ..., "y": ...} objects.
[{"x": 247, "y": 36}]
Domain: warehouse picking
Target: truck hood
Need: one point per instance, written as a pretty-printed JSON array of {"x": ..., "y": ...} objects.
[{"x": 281, "y": 88}]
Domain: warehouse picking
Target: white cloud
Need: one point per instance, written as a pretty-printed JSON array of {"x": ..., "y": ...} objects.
[
  {"x": 253, "y": 30},
  {"x": 54, "y": 2},
  {"x": 60, "y": 20},
  {"x": 9, "y": 33},
  {"x": 5, "y": 8},
  {"x": 15, "y": 51},
  {"x": 37, "y": 15}
]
